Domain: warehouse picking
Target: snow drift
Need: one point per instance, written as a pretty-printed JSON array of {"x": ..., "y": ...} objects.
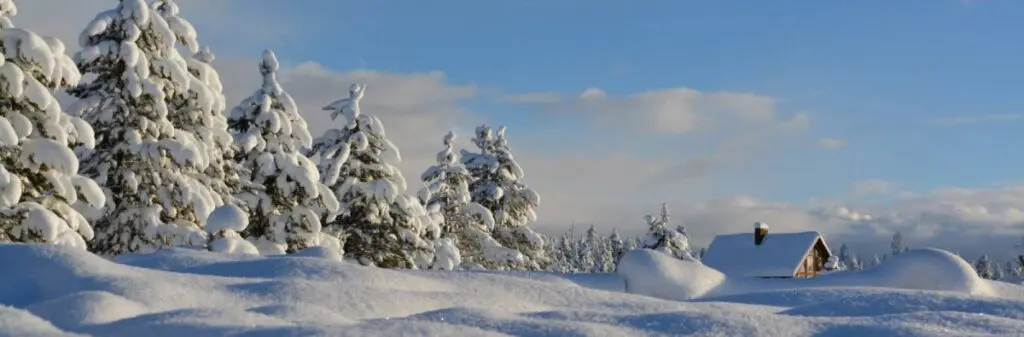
[
  {"x": 923, "y": 269},
  {"x": 52, "y": 290},
  {"x": 656, "y": 274}
]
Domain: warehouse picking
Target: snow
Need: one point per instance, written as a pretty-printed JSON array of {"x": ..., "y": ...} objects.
[
  {"x": 227, "y": 217},
  {"x": 661, "y": 275},
  {"x": 8, "y": 134},
  {"x": 59, "y": 291},
  {"x": 779, "y": 254}
]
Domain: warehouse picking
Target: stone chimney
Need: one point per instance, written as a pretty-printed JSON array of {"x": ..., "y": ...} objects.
[{"x": 760, "y": 232}]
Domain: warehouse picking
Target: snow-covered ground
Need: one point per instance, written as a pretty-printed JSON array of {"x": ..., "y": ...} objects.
[{"x": 54, "y": 291}]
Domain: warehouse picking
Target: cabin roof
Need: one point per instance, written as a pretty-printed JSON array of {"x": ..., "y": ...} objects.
[{"x": 779, "y": 255}]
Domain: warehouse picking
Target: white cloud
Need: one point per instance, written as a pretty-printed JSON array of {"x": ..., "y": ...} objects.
[
  {"x": 871, "y": 186},
  {"x": 831, "y": 143},
  {"x": 671, "y": 111}
]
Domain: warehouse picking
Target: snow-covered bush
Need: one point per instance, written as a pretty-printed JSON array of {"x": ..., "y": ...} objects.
[
  {"x": 381, "y": 225},
  {"x": 497, "y": 186},
  {"x": 223, "y": 226},
  {"x": 39, "y": 181},
  {"x": 143, "y": 162},
  {"x": 271, "y": 134}
]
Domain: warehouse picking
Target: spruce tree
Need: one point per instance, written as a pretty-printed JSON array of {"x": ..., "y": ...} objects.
[
  {"x": 140, "y": 159},
  {"x": 468, "y": 222},
  {"x": 497, "y": 186},
  {"x": 897, "y": 244},
  {"x": 617, "y": 246},
  {"x": 1012, "y": 269},
  {"x": 662, "y": 238},
  {"x": 286, "y": 216},
  {"x": 39, "y": 180},
  {"x": 200, "y": 111},
  {"x": 984, "y": 267},
  {"x": 588, "y": 250},
  {"x": 844, "y": 257},
  {"x": 381, "y": 226}
]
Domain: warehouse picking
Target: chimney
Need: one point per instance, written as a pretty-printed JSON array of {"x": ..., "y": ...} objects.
[{"x": 760, "y": 231}]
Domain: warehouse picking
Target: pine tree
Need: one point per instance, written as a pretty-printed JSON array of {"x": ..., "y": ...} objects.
[
  {"x": 997, "y": 273},
  {"x": 1020, "y": 254},
  {"x": 497, "y": 186},
  {"x": 471, "y": 224},
  {"x": 1012, "y": 269},
  {"x": 143, "y": 162},
  {"x": 897, "y": 244},
  {"x": 381, "y": 226},
  {"x": 286, "y": 216},
  {"x": 590, "y": 250},
  {"x": 617, "y": 247},
  {"x": 984, "y": 267},
  {"x": 39, "y": 181},
  {"x": 200, "y": 112},
  {"x": 660, "y": 237}
]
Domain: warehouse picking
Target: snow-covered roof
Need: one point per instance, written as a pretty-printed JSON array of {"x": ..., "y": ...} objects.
[{"x": 779, "y": 255}]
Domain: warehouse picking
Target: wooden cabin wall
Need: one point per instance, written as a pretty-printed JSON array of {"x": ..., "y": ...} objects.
[{"x": 814, "y": 262}]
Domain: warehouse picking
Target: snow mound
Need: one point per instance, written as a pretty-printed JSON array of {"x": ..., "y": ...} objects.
[
  {"x": 21, "y": 323},
  {"x": 88, "y": 307},
  {"x": 651, "y": 273},
  {"x": 923, "y": 269}
]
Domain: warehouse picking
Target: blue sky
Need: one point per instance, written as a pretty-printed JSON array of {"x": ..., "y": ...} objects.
[
  {"x": 874, "y": 73},
  {"x": 720, "y": 108}
]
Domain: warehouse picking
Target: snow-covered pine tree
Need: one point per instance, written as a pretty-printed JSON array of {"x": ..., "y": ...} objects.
[
  {"x": 617, "y": 247},
  {"x": 287, "y": 215},
  {"x": 844, "y": 257},
  {"x": 632, "y": 243},
  {"x": 1020, "y": 254},
  {"x": 39, "y": 181},
  {"x": 589, "y": 250},
  {"x": 984, "y": 267},
  {"x": 1012, "y": 269},
  {"x": 469, "y": 223},
  {"x": 605, "y": 260},
  {"x": 662, "y": 238},
  {"x": 997, "y": 273},
  {"x": 897, "y": 244},
  {"x": 381, "y": 225},
  {"x": 497, "y": 186},
  {"x": 876, "y": 260},
  {"x": 200, "y": 111},
  {"x": 143, "y": 162}
]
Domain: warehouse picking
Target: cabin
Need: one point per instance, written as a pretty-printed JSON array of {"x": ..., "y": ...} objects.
[{"x": 763, "y": 255}]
